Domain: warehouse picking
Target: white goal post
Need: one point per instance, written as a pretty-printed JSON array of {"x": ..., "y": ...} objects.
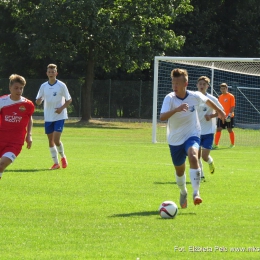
[{"x": 242, "y": 76}]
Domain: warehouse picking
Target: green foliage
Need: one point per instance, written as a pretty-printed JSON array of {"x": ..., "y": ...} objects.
[
  {"x": 107, "y": 34},
  {"x": 218, "y": 28},
  {"x": 105, "y": 204},
  {"x": 123, "y": 34}
]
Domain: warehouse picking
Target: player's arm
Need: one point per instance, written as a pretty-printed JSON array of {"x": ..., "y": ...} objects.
[
  {"x": 28, "y": 138},
  {"x": 40, "y": 96},
  {"x": 221, "y": 113},
  {"x": 209, "y": 117},
  {"x": 65, "y": 105},
  {"x": 38, "y": 101},
  {"x": 165, "y": 116},
  {"x": 232, "y": 106}
]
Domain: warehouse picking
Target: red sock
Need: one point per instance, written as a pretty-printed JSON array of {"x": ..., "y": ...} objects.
[
  {"x": 217, "y": 137},
  {"x": 232, "y": 137}
]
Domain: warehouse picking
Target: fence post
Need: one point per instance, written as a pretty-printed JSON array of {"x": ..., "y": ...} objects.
[
  {"x": 140, "y": 98},
  {"x": 80, "y": 86},
  {"x": 109, "y": 98}
]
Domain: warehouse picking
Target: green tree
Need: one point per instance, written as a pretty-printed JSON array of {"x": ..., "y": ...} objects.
[
  {"x": 108, "y": 34},
  {"x": 219, "y": 28}
]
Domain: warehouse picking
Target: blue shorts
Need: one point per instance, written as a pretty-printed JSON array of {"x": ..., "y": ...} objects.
[
  {"x": 179, "y": 152},
  {"x": 56, "y": 126},
  {"x": 206, "y": 141}
]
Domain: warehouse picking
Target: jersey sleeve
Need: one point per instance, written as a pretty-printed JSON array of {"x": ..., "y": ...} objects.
[
  {"x": 65, "y": 91},
  {"x": 202, "y": 98},
  {"x": 40, "y": 93},
  {"x": 166, "y": 106},
  {"x": 216, "y": 101}
]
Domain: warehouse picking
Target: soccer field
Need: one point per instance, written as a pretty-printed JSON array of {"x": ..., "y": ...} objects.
[{"x": 105, "y": 204}]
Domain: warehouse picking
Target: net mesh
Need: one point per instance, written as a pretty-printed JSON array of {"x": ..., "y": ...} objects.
[{"x": 243, "y": 79}]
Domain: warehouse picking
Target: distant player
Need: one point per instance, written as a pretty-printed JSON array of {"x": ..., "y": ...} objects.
[
  {"x": 227, "y": 100},
  {"x": 183, "y": 131},
  {"x": 16, "y": 122},
  {"x": 56, "y": 99},
  {"x": 207, "y": 117}
]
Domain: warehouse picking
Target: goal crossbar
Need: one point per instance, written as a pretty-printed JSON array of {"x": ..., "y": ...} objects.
[{"x": 240, "y": 73}]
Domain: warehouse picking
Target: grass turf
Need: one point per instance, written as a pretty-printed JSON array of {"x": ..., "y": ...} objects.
[{"x": 105, "y": 204}]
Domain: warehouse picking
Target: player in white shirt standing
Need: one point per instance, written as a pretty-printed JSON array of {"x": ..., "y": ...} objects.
[
  {"x": 56, "y": 99},
  {"x": 183, "y": 131},
  {"x": 207, "y": 117}
]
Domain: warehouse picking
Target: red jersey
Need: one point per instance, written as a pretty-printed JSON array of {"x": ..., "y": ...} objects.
[{"x": 14, "y": 118}]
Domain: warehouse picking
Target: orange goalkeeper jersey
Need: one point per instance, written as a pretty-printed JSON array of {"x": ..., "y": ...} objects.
[{"x": 227, "y": 101}]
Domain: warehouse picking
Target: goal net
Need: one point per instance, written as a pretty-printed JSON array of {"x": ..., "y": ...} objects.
[{"x": 242, "y": 75}]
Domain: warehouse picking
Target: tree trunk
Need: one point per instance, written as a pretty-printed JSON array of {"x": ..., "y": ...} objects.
[{"x": 86, "y": 90}]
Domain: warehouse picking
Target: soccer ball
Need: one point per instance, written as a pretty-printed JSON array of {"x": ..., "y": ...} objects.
[{"x": 168, "y": 209}]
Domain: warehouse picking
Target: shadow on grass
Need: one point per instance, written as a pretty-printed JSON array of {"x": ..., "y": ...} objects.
[
  {"x": 96, "y": 124},
  {"x": 169, "y": 182},
  {"x": 28, "y": 170},
  {"x": 221, "y": 148},
  {"x": 145, "y": 214}
]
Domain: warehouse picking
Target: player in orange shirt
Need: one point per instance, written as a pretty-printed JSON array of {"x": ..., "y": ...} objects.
[
  {"x": 227, "y": 100},
  {"x": 16, "y": 122}
]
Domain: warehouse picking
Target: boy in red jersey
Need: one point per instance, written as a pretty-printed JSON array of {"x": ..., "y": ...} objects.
[
  {"x": 16, "y": 122},
  {"x": 227, "y": 100}
]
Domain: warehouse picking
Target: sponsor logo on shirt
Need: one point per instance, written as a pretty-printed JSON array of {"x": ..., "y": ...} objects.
[
  {"x": 13, "y": 119},
  {"x": 191, "y": 109},
  {"x": 22, "y": 108},
  {"x": 54, "y": 94}
]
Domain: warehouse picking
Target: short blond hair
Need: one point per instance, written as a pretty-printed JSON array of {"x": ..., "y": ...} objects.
[
  {"x": 205, "y": 78},
  {"x": 52, "y": 66},
  {"x": 224, "y": 85},
  {"x": 14, "y": 78},
  {"x": 176, "y": 73}
]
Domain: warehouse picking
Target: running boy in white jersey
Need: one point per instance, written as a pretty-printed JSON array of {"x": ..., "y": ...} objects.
[
  {"x": 183, "y": 131},
  {"x": 207, "y": 117},
  {"x": 56, "y": 99},
  {"x": 16, "y": 122}
]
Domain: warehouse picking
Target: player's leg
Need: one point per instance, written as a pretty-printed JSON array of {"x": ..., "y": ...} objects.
[
  {"x": 220, "y": 126},
  {"x": 4, "y": 162},
  {"x": 207, "y": 146},
  {"x": 202, "y": 177},
  {"x": 192, "y": 149},
  {"x": 49, "y": 130},
  {"x": 178, "y": 156},
  {"x": 9, "y": 153},
  {"x": 58, "y": 128},
  {"x": 230, "y": 126}
]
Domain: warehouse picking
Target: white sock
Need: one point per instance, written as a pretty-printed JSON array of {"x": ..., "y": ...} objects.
[
  {"x": 201, "y": 167},
  {"x": 210, "y": 160},
  {"x": 181, "y": 182},
  {"x": 195, "y": 180},
  {"x": 61, "y": 150},
  {"x": 54, "y": 154}
]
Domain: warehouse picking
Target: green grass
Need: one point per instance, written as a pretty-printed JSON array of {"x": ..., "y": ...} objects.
[{"x": 105, "y": 204}]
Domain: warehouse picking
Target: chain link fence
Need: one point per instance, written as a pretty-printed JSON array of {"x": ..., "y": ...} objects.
[{"x": 110, "y": 98}]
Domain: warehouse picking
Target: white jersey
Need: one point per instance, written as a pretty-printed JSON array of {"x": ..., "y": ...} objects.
[
  {"x": 208, "y": 127},
  {"x": 185, "y": 124},
  {"x": 54, "y": 96}
]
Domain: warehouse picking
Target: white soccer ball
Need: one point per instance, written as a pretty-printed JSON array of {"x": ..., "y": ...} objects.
[{"x": 168, "y": 209}]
